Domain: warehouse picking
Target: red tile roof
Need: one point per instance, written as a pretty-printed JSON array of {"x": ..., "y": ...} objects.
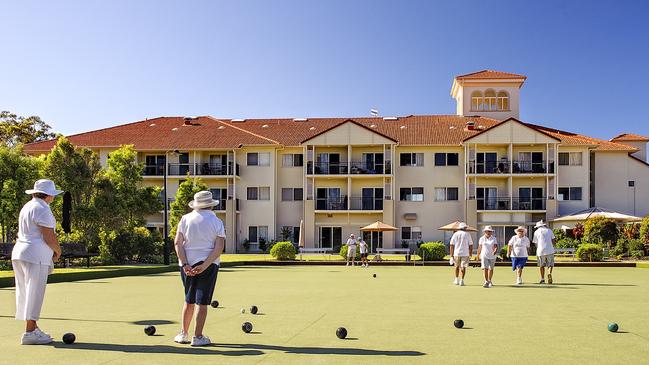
[
  {"x": 630, "y": 137},
  {"x": 490, "y": 74},
  {"x": 167, "y": 133}
]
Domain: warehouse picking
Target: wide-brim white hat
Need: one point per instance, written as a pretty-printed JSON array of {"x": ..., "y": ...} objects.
[
  {"x": 462, "y": 225},
  {"x": 488, "y": 229},
  {"x": 203, "y": 199},
  {"x": 520, "y": 228},
  {"x": 44, "y": 186},
  {"x": 539, "y": 224}
]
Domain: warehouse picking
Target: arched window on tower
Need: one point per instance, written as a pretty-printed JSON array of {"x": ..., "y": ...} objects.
[
  {"x": 503, "y": 100},
  {"x": 476, "y": 101},
  {"x": 490, "y": 100}
]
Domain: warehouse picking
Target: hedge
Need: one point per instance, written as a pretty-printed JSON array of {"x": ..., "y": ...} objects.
[
  {"x": 434, "y": 251},
  {"x": 283, "y": 251},
  {"x": 589, "y": 252}
]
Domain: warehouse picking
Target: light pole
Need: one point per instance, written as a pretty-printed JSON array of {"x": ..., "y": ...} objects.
[{"x": 165, "y": 248}]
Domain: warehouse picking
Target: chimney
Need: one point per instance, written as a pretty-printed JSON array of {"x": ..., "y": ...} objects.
[
  {"x": 188, "y": 121},
  {"x": 470, "y": 125}
]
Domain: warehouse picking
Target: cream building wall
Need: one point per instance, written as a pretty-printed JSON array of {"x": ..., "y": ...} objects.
[
  {"x": 613, "y": 171},
  {"x": 464, "y": 99},
  {"x": 575, "y": 176}
]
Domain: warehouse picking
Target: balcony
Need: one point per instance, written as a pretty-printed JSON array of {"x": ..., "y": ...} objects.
[
  {"x": 364, "y": 168},
  {"x": 182, "y": 169},
  {"x": 353, "y": 203},
  {"x": 327, "y": 168},
  {"x": 516, "y": 167},
  {"x": 511, "y": 203}
]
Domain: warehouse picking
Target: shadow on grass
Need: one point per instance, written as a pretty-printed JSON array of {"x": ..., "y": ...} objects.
[
  {"x": 535, "y": 287},
  {"x": 322, "y": 350},
  {"x": 591, "y": 284},
  {"x": 153, "y": 322},
  {"x": 155, "y": 349},
  {"x": 139, "y": 323}
]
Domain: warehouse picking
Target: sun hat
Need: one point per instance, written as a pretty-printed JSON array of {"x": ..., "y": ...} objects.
[
  {"x": 521, "y": 228},
  {"x": 462, "y": 226},
  {"x": 488, "y": 229},
  {"x": 44, "y": 186},
  {"x": 203, "y": 199},
  {"x": 540, "y": 223}
]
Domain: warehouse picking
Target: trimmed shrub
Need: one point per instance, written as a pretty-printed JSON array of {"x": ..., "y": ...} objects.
[
  {"x": 434, "y": 251},
  {"x": 600, "y": 230},
  {"x": 590, "y": 252},
  {"x": 567, "y": 242},
  {"x": 283, "y": 251},
  {"x": 343, "y": 252}
]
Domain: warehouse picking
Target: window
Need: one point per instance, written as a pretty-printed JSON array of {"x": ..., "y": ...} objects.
[
  {"x": 570, "y": 158},
  {"x": 476, "y": 101},
  {"x": 292, "y": 160},
  {"x": 293, "y": 233},
  {"x": 490, "y": 100},
  {"x": 503, "y": 101},
  {"x": 412, "y": 159},
  {"x": 330, "y": 236},
  {"x": 256, "y": 233},
  {"x": 411, "y": 233},
  {"x": 447, "y": 159},
  {"x": 258, "y": 193},
  {"x": 258, "y": 158},
  {"x": 412, "y": 194},
  {"x": 444, "y": 194},
  {"x": 570, "y": 193},
  {"x": 291, "y": 194}
]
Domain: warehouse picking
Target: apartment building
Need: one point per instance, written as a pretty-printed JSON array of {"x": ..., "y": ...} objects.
[{"x": 482, "y": 165}]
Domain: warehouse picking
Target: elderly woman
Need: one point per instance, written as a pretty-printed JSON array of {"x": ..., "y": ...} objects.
[
  {"x": 200, "y": 240},
  {"x": 33, "y": 258},
  {"x": 517, "y": 250},
  {"x": 487, "y": 249}
]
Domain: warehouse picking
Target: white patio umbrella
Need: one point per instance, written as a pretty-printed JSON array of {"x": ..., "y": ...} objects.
[
  {"x": 300, "y": 241},
  {"x": 455, "y": 226},
  {"x": 593, "y": 212}
]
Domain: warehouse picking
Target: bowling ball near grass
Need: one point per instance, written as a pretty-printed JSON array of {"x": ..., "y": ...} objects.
[
  {"x": 246, "y": 327},
  {"x": 341, "y": 332},
  {"x": 254, "y": 309},
  {"x": 242, "y": 311},
  {"x": 149, "y": 330},
  {"x": 374, "y": 275},
  {"x": 215, "y": 304},
  {"x": 69, "y": 338},
  {"x": 458, "y": 323},
  {"x": 613, "y": 327}
]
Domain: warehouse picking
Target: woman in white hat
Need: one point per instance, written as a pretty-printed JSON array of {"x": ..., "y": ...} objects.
[
  {"x": 487, "y": 249},
  {"x": 200, "y": 240},
  {"x": 33, "y": 258},
  {"x": 517, "y": 250}
]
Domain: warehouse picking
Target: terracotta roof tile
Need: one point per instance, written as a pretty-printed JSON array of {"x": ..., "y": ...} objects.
[
  {"x": 630, "y": 137},
  {"x": 490, "y": 74},
  {"x": 574, "y": 139}
]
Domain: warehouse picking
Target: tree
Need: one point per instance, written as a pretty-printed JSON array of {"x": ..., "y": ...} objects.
[
  {"x": 600, "y": 230},
  {"x": 16, "y": 130},
  {"x": 17, "y": 174},
  {"x": 184, "y": 195}
]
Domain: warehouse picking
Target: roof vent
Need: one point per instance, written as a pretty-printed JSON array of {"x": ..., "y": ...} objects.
[
  {"x": 174, "y": 129},
  {"x": 312, "y": 128},
  {"x": 238, "y": 120},
  {"x": 152, "y": 125},
  {"x": 300, "y": 119},
  {"x": 390, "y": 118},
  {"x": 188, "y": 121},
  {"x": 373, "y": 126},
  {"x": 265, "y": 126},
  {"x": 470, "y": 125},
  {"x": 221, "y": 127},
  {"x": 403, "y": 127}
]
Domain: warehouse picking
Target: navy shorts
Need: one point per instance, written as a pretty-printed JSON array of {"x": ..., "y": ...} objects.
[
  {"x": 200, "y": 288},
  {"x": 518, "y": 262}
]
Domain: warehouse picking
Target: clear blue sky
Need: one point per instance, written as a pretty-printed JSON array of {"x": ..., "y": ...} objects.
[{"x": 83, "y": 65}]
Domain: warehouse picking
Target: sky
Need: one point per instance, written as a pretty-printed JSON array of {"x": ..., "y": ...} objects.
[{"x": 89, "y": 64}]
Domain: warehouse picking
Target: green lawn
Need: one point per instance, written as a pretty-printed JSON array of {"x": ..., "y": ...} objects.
[{"x": 404, "y": 315}]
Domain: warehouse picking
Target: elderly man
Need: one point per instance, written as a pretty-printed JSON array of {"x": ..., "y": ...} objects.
[
  {"x": 351, "y": 249},
  {"x": 461, "y": 247},
  {"x": 545, "y": 241}
]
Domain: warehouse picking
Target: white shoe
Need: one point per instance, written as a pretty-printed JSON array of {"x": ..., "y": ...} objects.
[
  {"x": 456, "y": 281},
  {"x": 34, "y": 338},
  {"x": 486, "y": 284},
  {"x": 519, "y": 281},
  {"x": 347, "y": 264},
  {"x": 461, "y": 282},
  {"x": 201, "y": 341},
  {"x": 491, "y": 284},
  {"x": 42, "y": 334},
  {"x": 182, "y": 337}
]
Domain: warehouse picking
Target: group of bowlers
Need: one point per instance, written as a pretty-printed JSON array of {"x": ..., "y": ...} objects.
[
  {"x": 352, "y": 243},
  {"x": 461, "y": 249}
]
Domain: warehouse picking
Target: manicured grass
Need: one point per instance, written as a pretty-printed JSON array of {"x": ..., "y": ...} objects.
[{"x": 404, "y": 315}]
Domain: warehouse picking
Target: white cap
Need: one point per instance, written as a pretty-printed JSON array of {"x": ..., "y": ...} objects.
[
  {"x": 487, "y": 229},
  {"x": 44, "y": 186},
  {"x": 462, "y": 225}
]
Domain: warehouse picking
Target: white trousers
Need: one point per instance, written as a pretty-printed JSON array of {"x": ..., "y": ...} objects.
[{"x": 31, "y": 280}]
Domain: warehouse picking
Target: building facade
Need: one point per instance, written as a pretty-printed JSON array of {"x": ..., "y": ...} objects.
[{"x": 334, "y": 175}]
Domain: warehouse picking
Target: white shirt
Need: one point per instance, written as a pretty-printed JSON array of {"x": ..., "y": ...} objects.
[
  {"x": 363, "y": 246},
  {"x": 519, "y": 246},
  {"x": 351, "y": 242},
  {"x": 461, "y": 240},
  {"x": 30, "y": 245},
  {"x": 543, "y": 238},
  {"x": 200, "y": 229},
  {"x": 488, "y": 244}
]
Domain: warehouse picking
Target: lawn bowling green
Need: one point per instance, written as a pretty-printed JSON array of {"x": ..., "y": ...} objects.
[{"x": 406, "y": 317}]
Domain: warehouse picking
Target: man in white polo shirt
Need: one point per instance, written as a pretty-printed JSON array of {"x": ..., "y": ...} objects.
[
  {"x": 545, "y": 241},
  {"x": 351, "y": 249},
  {"x": 461, "y": 247}
]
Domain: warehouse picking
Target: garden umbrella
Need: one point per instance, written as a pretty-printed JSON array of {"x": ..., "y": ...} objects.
[
  {"x": 379, "y": 227},
  {"x": 455, "y": 226},
  {"x": 300, "y": 241},
  {"x": 593, "y": 212}
]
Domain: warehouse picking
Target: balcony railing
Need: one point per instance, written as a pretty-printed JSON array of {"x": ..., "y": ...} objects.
[
  {"x": 516, "y": 167},
  {"x": 327, "y": 168},
  {"x": 511, "y": 203},
  {"x": 181, "y": 169},
  {"x": 354, "y": 203},
  {"x": 364, "y": 168}
]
